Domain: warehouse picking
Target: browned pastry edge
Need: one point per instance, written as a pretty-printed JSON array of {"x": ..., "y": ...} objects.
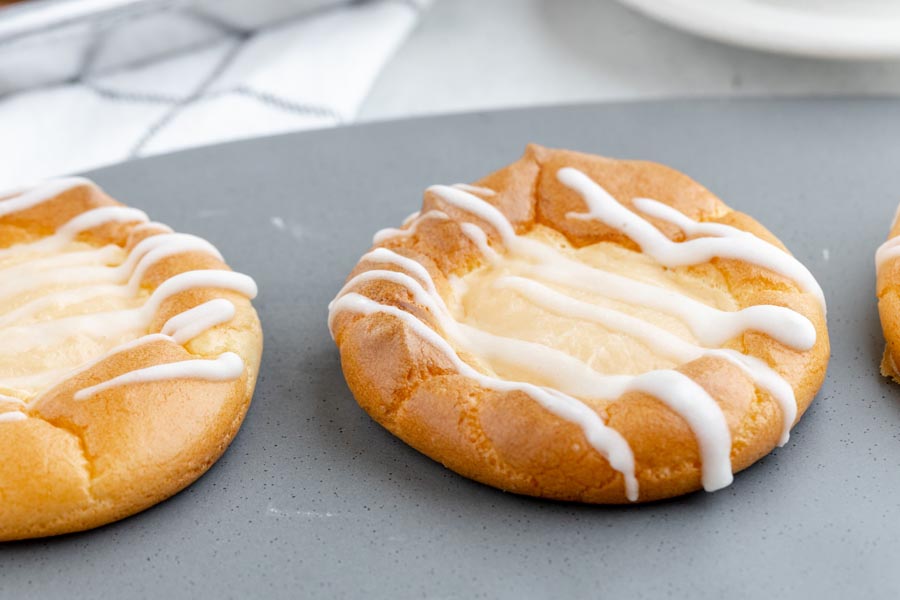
[
  {"x": 74, "y": 465},
  {"x": 887, "y": 284},
  {"x": 509, "y": 441}
]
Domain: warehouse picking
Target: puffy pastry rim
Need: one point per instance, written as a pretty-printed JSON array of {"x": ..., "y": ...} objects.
[
  {"x": 72, "y": 464},
  {"x": 505, "y": 438}
]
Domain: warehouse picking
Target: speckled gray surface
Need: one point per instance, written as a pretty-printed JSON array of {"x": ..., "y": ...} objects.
[{"x": 315, "y": 500}]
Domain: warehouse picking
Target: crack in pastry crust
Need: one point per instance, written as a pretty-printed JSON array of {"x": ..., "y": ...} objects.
[
  {"x": 130, "y": 359},
  {"x": 740, "y": 376}
]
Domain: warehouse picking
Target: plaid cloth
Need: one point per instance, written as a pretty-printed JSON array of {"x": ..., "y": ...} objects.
[{"x": 226, "y": 82}]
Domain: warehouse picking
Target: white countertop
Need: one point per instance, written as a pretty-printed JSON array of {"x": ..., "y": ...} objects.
[{"x": 484, "y": 54}]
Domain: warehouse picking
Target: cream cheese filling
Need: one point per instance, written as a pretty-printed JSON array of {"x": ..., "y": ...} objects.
[
  {"x": 495, "y": 299},
  {"x": 56, "y": 313}
]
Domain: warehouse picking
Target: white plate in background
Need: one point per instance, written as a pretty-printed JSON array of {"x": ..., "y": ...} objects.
[{"x": 844, "y": 29}]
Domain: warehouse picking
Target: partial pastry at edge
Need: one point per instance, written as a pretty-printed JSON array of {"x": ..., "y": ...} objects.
[
  {"x": 887, "y": 284},
  {"x": 581, "y": 328},
  {"x": 128, "y": 362}
]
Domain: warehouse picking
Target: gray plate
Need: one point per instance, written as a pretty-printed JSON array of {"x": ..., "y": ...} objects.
[{"x": 314, "y": 499}]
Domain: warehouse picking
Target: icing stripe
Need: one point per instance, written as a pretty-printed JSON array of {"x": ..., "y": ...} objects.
[
  {"x": 185, "y": 326},
  {"x": 392, "y": 232},
  {"x": 411, "y": 217},
  {"x": 226, "y": 367},
  {"x": 152, "y": 226},
  {"x": 189, "y": 280},
  {"x": 664, "y": 212},
  {"x": 606, "y": 209},
  {"x": 12, "y": 399},
  {"x": 81, "y": 223},
  {"x": 99, "y": 216},
  {"x": 474, "y": 189},
  {"x": 887, "y": 251},
  {"x": 478, "y": 237},
  {"x": 40, "y": 194},
  {"x": 155, "y": 248}
]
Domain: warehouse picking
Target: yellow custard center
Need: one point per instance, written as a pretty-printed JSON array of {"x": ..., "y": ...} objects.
[
  {"x": 60, "y": 310},
  {"x": 484, "y": 300}
]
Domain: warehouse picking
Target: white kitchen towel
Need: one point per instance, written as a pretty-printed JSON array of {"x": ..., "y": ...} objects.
[{"x": 310, "y": 71}]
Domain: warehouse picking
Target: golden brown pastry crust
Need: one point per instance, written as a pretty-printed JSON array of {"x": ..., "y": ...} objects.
[
  {"x": 73, "y": 465},
  {"x": 887, "y": 284},
  {"x": 509, "y": 441}
]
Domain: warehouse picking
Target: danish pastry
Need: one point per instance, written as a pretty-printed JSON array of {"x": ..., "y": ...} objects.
[
  {"x": 580, "y": 328},
  {"x": 887, "y": 269},
  {"x": 128, "y": 361}
]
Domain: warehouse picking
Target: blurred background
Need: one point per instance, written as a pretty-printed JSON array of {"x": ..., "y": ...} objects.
[{"x": 85, "y": 83}]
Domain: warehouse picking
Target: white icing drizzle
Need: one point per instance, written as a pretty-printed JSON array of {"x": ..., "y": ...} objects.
[
  {"x": 40, "y": 265},
  {"x": 478, "y": 237},
  {"x": 574, "y": 382},
  {"x": 474, "y": 189},
  {"x": 226, "y": 367},
  {"x": 226, "y": 280},
  {"x": 392, "y": 232},
  {"x": 891, "y": 248},
  {"x": 748, "y": 248},
  {"x": 411, "y": 217},
  {"x": 153, "y": 226},
  {"x": 81, "y": 223},
  {"x": 887, "y": 251},
  {"x": 185, "y": 326},
  {"x": 29, "y": 198},
  {"x": 664, "y": 212},
  {"x": 12, "y": 416},
  {"x": 12, "y": 399},
  {"x": 153, "y": 249},
  {"x": 95, "y": 218}
]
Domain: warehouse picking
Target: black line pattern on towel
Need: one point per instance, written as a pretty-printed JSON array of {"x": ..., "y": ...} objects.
[
  {"x": 156, "y": 127},
  {"x": 287, "y": 105},
  {"x": 223, "y": 26},
  {"x": 93, "y": 49},
  {"x": 310, "y": 13},
  {"x": 272, "y": 100},
  {"x": 178, "y": 52},
  {"x": 237, "y": 36},
  {"x": 142, "y": 97},
  {"x": 297, "y": 108},
  {"x": 128, "y": 13}
]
